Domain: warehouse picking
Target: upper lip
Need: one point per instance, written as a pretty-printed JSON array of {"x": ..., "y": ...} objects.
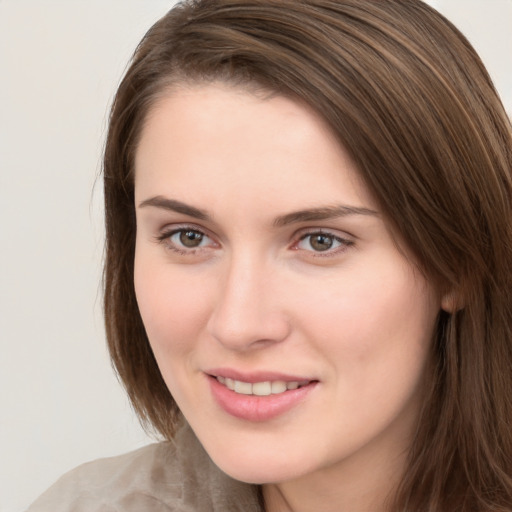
[{"x": 256, "y": 376}]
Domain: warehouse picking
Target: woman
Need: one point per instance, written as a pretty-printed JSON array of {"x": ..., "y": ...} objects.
[{"x": 308, "y": 264}]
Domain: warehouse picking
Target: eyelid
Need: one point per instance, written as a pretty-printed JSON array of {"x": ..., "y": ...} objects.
[
  {"x": 182, "y": 226},
  {"x": 314, "y": 230}
]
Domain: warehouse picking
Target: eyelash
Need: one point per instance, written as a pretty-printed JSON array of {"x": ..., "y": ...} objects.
[{"x": 344, "y": 243}]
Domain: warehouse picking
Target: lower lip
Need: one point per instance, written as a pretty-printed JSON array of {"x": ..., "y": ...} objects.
[{"x": 257, "y": 408}]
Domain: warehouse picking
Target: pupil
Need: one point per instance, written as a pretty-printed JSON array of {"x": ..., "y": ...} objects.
[
  {"x": 321, "y": 242},
  {"x": 190, "y": 238}
]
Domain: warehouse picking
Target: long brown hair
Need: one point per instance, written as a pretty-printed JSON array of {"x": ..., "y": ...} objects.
[{"x": 407, "y": 96}]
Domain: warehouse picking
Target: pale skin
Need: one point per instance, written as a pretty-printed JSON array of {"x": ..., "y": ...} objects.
[{"x": 229, "y": 274}]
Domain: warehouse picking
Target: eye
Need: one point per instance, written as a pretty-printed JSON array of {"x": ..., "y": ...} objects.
[
  {"x": 188, "y": 238},
  {"x": 321, "y": 242},
  {"x": 185, "y": 240}
]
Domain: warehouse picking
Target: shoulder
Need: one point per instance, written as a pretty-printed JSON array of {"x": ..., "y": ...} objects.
[
  {"x": 175, "y": 476},
  {"x": 133, "y": 481}
]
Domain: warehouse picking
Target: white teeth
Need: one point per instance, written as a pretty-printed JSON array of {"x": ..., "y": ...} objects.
[
  {"x": 279, "y": 386},
  {"x": 245, "y": 388},
  {"x": 265, "y": 388},
  {"x": 262, "y": 388}
]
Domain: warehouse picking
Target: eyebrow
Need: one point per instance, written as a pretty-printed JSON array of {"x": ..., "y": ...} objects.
[
  {"x": 324, "y": 213},
  {"x": 175, "y": 206},
  {"x": 313, "y": 214}
]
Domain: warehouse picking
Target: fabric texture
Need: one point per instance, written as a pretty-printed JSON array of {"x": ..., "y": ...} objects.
[{"x": 173, "y": 476}]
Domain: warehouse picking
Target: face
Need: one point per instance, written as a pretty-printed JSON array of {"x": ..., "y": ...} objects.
[{"x": 288, "y": 326}]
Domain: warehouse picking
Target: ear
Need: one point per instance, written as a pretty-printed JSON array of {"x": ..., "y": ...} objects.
[{"x": 451, "y": 302}]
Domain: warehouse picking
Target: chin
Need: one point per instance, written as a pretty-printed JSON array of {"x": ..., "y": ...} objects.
[
  {"x": 258, "y": 467},
  {"x": 258, "y": 475}
]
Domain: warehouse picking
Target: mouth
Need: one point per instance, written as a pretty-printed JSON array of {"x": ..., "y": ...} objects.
[
  {"x": 263, "y": 388},
  {"x": 260, "y": 396}
]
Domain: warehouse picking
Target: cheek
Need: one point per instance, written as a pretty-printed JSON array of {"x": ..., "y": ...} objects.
[
  {"x": 171, "y": 308},
  {"x": 377, "y": 333}
]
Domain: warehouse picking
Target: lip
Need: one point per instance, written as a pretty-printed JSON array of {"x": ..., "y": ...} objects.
[
  {"x": 257, "y": 408},
  {"x": 253, "y": 377}
]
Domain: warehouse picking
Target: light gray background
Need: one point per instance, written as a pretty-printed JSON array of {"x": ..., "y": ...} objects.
[{"x": 60, "y": 61}]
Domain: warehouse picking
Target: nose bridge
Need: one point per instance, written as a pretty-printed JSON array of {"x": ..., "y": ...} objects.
[{"x": 246, "y": 313}]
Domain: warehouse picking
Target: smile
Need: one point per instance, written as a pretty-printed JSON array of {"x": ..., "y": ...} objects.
[
  {"x": 264, "y": 398},
  {"x": 264, "y": 388}
]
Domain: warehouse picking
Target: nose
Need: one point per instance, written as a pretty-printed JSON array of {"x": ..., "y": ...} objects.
[{"x": 249, "y": 312}]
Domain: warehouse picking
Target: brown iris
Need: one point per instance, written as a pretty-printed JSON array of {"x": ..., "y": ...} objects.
[
  {"x": 191, "y": 238},
  {"x": 321, "y": 242}
]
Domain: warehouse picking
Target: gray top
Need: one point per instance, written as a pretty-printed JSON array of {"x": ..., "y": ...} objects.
[{"x": 173, "y": 476}]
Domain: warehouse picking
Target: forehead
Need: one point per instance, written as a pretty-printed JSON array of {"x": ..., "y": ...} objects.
[{"x": 219, "y": 136}]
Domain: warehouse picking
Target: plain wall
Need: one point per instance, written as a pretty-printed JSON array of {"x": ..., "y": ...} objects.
[{"x": 60, "y": 403}]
